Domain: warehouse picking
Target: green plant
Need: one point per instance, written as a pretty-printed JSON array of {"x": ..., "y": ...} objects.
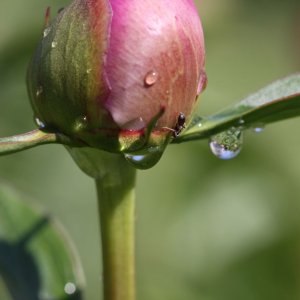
[{"x": 274, "y": 103}]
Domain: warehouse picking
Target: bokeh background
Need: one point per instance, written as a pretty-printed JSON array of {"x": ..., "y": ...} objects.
[{"x": 206, "y": 229}]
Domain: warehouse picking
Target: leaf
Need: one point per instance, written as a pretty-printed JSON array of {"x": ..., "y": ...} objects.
[
  {"x": 37, "y": 260},
  {"x": 278, "y": 101}
]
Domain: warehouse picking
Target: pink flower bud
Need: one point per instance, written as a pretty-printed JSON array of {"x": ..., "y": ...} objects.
[{"x": 105, "y": 68}]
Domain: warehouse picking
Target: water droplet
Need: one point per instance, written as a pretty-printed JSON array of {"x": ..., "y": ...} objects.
[
  {"x": 145, "y": 159},
  {"x": 258, "y": 128},
  {"x": 81, "y": 123},
  {"x": 241, "y": 122},
  {"x": 136, "y": 124},
  {"x": 54, "y": 44},
  {"x": 39, "y": 91},
  {"x": 70, "y": 288},
  {"x": 151, "y": 78},
  {"x": 228, "y": 144},
  {"x": 39, "y": 123},
  {"x": 46, "y": 31},
  {"x": 197, "y": 121},
  {"x": 88, "y": 71}
]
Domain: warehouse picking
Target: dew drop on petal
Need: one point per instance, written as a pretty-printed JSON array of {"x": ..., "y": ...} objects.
[
  {"x": 228, "y": 144},
  {"x": 46, "y": 31},
  {"x": 53, "y": 44},
  {"x": 151, "y": 78},
  {"x": 70, "y": 288}
]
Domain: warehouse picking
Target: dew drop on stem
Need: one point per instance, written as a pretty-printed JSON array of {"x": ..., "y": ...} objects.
[{"x": 228, "y": 144}]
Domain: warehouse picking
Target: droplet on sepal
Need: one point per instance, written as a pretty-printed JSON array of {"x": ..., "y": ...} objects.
[
  {"x": 228, "y": 144},
  {"x": 53, "y": 44},
  {"x": 81, "y": 123},
  {"x": 46, "y": 31},
  {"x": 241, "y": 122},
  {"x": 39, "y": 91},
  {"x": 39, "y": 123},
  {"x": 136, "y": 124},
  {"x": 151, "y": 78},
  {"x": 145, "y": 159}
]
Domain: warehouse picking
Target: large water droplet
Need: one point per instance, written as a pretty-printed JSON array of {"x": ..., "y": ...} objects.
[
  {"x": 151, "y": 78},
  {"x": 53, "y": 44},
  {"x": 70, "y": 288},
  {"x": 145, "y": 159},
  {"x": 46, "y": 31},
  {"x": 39, "y": 123},
  {"x": 135, "y": 124},
  {"x": 228, "y": 144},
  {"x": 39, "y": 91}
]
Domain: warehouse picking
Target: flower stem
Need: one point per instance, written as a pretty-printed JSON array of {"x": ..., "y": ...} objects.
[
  {"x": 116, "y": 209},
  {"x": 115, "y": 181}
]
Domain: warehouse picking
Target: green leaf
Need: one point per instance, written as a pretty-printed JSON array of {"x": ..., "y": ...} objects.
[
  {"x": 37, "y": 259},
  {"x": 278, "y": 101}
]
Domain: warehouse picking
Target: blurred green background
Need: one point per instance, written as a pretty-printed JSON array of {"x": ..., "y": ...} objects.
[{"x": 206, "y": 229}]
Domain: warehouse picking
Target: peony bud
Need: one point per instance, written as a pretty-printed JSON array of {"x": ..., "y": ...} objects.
[{"x": 105, "y": 68}]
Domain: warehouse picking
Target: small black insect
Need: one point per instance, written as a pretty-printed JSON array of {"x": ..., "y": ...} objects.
[{"x": 179, "y": 125}]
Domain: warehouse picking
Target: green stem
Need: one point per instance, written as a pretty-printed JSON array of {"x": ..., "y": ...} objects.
[
  {"x": 116, "y": 210},
  {"x": 31, "y": 139},
  {"x": 115, "y": 181}
]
